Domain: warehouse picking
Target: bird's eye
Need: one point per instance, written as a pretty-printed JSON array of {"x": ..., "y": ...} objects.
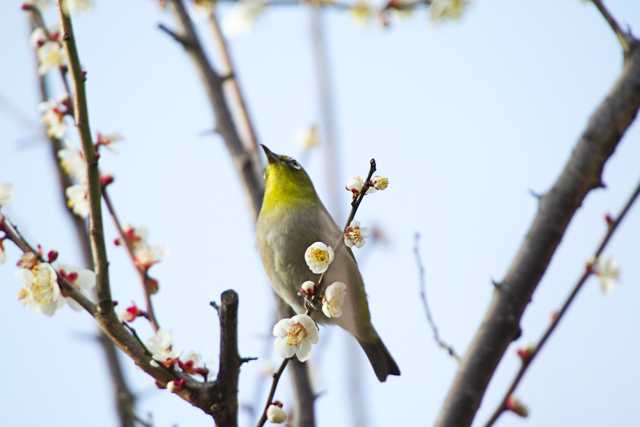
[{"x": 294, "y": 164}]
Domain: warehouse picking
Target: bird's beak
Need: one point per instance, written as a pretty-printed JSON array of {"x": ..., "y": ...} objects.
[{"x": 271, "y": 156}]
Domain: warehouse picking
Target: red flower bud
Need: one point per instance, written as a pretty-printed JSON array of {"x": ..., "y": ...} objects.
[
  {"x": 52, "y": 255},
  {"x": 106, "y": 180}
]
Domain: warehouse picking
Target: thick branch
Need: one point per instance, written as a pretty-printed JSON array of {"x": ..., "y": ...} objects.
[
  {"x": 581, "y": 174},
  {"x": 588, "y": 272},
  {"x": 225, "y": 412},
  {"x": 81, "y": 113}
]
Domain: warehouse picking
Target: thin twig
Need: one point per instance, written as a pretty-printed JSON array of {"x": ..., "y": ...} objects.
[
  {"x": 355, "y": 204},
  {"x": 586, "y": 274},
  {"x": 425, "y": 304},
  {"x": 81, "y": 114},
  {"x": 625, "y": 38},
  {"x": 274, "y": 385},
  {"x": 142, "y": 272}
]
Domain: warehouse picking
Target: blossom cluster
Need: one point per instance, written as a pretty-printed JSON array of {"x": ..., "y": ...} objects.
[
  {"x": 161, "y": 347},
  {"x": 41, "y": 289},
  {"x": 241, "y": 18}
]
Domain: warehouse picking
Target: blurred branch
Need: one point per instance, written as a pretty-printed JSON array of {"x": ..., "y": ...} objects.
[
  {"x": 425, "y": 304},
  {"x": 244, "y": 158},
  {"x": 624, "y": 37},
  {"x": 229, "y": 71},
  {"x": 581, "y": 174},
  {"x": 587, "y": 273}
]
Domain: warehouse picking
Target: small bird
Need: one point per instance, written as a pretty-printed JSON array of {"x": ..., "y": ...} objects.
[{"x": 292, "y": 218}]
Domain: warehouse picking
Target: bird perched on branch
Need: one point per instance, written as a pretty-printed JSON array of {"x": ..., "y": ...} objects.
[{"x": 291, "y": 219}]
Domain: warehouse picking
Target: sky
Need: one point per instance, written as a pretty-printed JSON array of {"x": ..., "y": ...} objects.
[{"x": 465, "y": 119}]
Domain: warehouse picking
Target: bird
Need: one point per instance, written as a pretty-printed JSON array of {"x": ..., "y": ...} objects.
[{"x": 292, "y": 218}]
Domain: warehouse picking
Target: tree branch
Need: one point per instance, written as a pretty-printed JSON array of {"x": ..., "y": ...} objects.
[
  {"x": 272, "y": 392},
  {"x": 228, "y": 69},
  {"x": 242, "y": 158},
  {"x": 625, "y": 38},
  {"x": 144, "y": 276},
  {"x": 425, "y": 304},
  {"x": 587, "y": 273},
  {"x": 581, "y": 174},
  {"x": 226, "y": 413},
  {"x": 81, "y": 114}
]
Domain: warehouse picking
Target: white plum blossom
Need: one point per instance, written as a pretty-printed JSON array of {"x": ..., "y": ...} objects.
[
  {"x": 204, "y": 6},
  {"x": 333, "y": 300},
  {"x": 78, "y": 199},
  {"x": 295, "y": 336},
  {"x": 71, "y": 6},
  {"x": 6, "y": 193},
  {"x": 40, "y": 290},
  {"x": 40, "y": 4},
  {"x": 240, "y": 19},
  {"x": 161, "y": 347},
  {"x": 275, "y": 413},
  {"x": 448, "y": 9},
  {"x": 144, "y": 254},
  {"x": 380, "y": 182},
  {"x": 3, "y": 255},
  {"x": 109, "y": 140},
  {"x": 308, "y": 138},
  {"x": 355, "y": 184},
  {"x": 318, "y": 257},
  {"x": 73, "y": 163},
  {"x": 308, "y": 288},
  {"x": 80, "y": 278},
  {"x": 608, "y": 274},
  {"x": 53, "y": 118},
  {"x": 362, "y": 11},
  {"x": 38, "y": 36},
  {"x": 354, "y": 235},
  {"x": 50, "y": 55}
]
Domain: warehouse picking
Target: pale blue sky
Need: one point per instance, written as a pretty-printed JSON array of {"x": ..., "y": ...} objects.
[{"x": 464, "y": 118}]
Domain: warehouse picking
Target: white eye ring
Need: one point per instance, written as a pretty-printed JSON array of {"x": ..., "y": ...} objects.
[{"x": 294, "y": 164}]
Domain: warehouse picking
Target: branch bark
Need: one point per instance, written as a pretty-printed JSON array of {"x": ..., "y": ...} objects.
[
  {"x": 586, "y": 274},
  {"x": 581, "y": 174},
  {"x": 81, "y": 115}
]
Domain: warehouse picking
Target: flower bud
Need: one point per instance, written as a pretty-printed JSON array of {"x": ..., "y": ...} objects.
[{"x": 276, "y": 414}]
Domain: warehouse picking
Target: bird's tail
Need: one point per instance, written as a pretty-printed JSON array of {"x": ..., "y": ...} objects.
[{"x": 380, "y": 358}]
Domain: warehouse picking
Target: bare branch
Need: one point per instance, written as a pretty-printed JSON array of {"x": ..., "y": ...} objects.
[
  {"x": 425, "y": 304},
  {"x": 272, "y": 392},
  {"x": 625, "y": 38},
  {"x": 582, "y": 173},
  {"x": 243, "y": 159},
  {"x": 228, "y": 70}
]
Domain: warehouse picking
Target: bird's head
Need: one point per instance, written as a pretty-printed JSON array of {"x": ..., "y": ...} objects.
[{"x": 286, "y": 181}]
